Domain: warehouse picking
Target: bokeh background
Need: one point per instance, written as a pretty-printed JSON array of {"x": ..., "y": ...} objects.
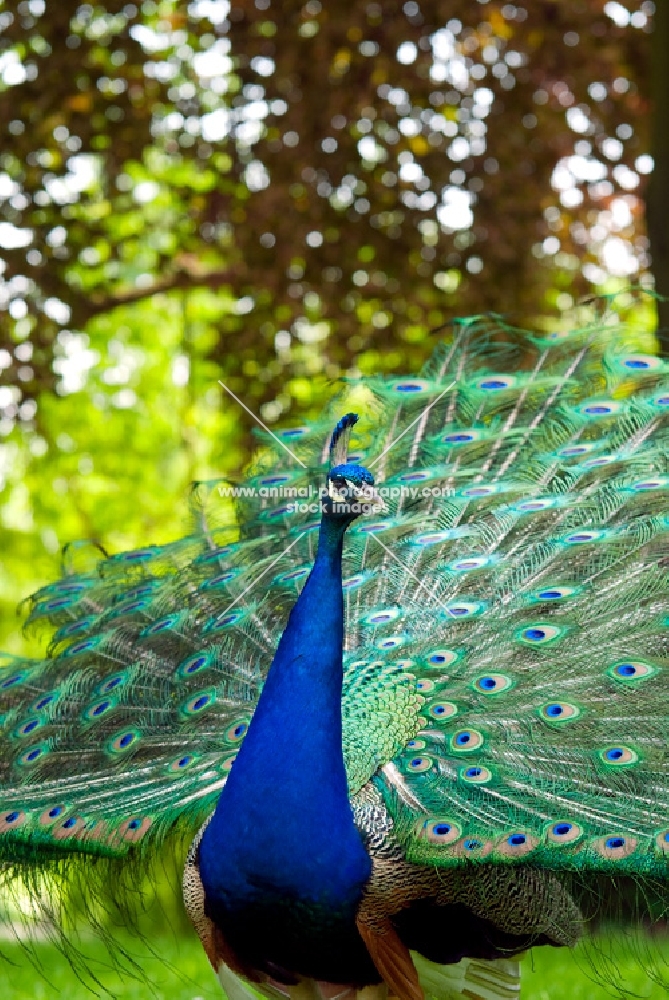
[{"x": 279, "y": 194}]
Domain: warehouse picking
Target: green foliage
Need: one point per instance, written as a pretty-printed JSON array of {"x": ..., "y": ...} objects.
[{"x": 110, "y": 458}]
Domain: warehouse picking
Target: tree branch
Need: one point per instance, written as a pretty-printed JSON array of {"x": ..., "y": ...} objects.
[{"x": 183, "y": 278}]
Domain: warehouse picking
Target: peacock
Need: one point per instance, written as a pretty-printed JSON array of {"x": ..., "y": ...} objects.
[{"x": 406, "y": 688}]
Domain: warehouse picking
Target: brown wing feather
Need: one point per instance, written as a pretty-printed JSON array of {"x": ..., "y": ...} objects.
[{"x": 391, "y": 958}]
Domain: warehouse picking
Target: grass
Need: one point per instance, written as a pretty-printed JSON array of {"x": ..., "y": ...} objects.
[
  {"x": 169, "y": 969},
  {"x": 178, "y": 970},
  {"x": 597, "y": 970}
]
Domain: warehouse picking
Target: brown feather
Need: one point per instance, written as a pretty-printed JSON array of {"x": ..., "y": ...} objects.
[{"x": 392, "y": 959}]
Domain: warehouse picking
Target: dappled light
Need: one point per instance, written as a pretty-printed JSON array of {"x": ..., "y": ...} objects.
[{"x": 340, "y": 180}]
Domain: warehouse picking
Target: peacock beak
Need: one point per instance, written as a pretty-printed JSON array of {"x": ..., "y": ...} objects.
[{"x": 371, "y": 498}]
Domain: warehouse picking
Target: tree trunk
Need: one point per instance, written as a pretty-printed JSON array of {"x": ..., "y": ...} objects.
[{"x": 657, "y": 206}]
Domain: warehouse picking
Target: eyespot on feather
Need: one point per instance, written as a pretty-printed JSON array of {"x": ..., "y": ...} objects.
[
  {"x": 600, "y": 461},
  {"x": 536, "y": 504},
  {"x": 469, "y": 564},
  {"x": 631, "y": 671},
  {"x": 194, "y": 664},
  {"x": 381, "y": 616},
  {"x": 125, "y": 740},
  {"x": 14, "y": 680},
  {"x": 12, "y": 819},
  {"x": 278, "y": 479},
  {"x": 619, "y": 756},
  {"x": 224, "y": 621},
  {"x": 138, "y": 555},
  {"x": 28, "y": 727},
  {"x": 33, "y": 754},
  {"x": 412, "y": 387},
  {"x": 199, "y": 702},
  {"x": 418, "y": 476},
  {"x": 432, "y": 537},
  {"x": 475, "y": 775},
  {"x": 559, "y": 712},
  {"x": 52, "y": 814},
  {"x": 457, "y": 438},
  {"x": 639, "y": 362},
  {"x": 419, "y": 764},
  {"x": 539, "y": 634},
  {"x": 599, "y": 408},
  {"x": 112, "y": 683},
  {"x": 439, "y": 831},
  {"x": 577, "y": 450},
  {"x": 651, "y": 483},
  {"x": 440, "y": 658},
  {"x": 99, "y": 708},
  {"x": 291, "y": 576},
  {"x": 564, "y": 832},
  {"x": 466, "y": 740},
  {"x": 294, "y": 433},
  {"x": 131, "y": 830},
  {"x": 442, "y": 710},
  {"x": 45, "y": 699},
  {"x": 216, "y": 556},
  {"x": 615, "y": 847},
  {"x": 585, "y": 536},
  {"x": 390, "y": 642},
  {"x": 554, "y": 593},
  {"x": 74, "y": 628},
  {"x": 371, "y": 527},
  {"x": 221, "y": 580},
  {"x": 182, "y": 763},
  {"x": 492, "y": 684},
  {"x": 56, "y": 604},
  {"x": 495, "y": 383},
  {"x": 416, "y": 745},
  {"x": 425, "y": 686},
  {"x": 236, "y": 731},
  {"x": 162, "y": 625},
  {"x": 457, "y": 610},
  {"x": 482, "y": 490},
  {"x": 473, "y": 846},
  {"x": 70, "y": 827},
  {"x": 84, "y": 645},
  {"x": 129, "y": 608},
  {"x": 516, "y": 844}
]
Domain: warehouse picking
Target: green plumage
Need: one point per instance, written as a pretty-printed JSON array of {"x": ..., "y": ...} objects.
[{"x": 507, "y": 626}]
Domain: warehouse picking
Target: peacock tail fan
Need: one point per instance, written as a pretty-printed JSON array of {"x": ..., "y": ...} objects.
[{"x": 506, "y": 639}]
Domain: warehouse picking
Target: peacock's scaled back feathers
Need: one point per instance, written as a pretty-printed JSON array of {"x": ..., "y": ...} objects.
[{"x": 507, "y": 622}]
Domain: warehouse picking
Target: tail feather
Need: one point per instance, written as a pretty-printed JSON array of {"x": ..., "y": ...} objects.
[{"x": 521, "y": 567}]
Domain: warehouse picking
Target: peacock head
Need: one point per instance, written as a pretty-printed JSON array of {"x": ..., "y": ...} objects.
[{"x": 350, "y": 488}]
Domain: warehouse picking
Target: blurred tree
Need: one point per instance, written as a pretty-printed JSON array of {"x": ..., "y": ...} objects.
[
  {"x": 658, "y": 193},
  {"x": 347, "y": 176},
  {"x": 423, "y": 158}
]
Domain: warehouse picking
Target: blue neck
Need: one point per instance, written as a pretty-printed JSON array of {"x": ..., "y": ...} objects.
[{"x": 283, "y": 820}]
